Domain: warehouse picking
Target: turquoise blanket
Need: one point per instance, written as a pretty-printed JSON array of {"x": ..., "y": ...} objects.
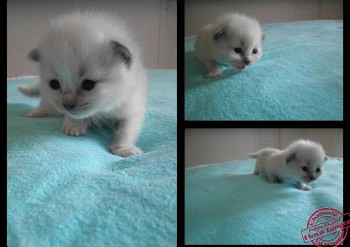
[
  {"x": 226, "y": 204},
  {"x": 299, "y": 77},
  {"x": 70, "y": 191}
]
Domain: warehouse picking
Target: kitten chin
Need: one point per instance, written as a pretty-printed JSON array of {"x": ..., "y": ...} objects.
[
  {"x": 91, "y": 69},
  {"x": 233, "y": 39},
  {"x": 302, "y": 161}
]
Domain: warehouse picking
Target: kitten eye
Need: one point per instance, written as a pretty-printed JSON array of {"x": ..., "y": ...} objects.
[
  {"x": 318, "y": 169},
  {"x": 255, "y": 51},
  {"x": 304, "y": 168},
  {"x": 88, "y": 85},
  {"x": 238, "y": 50},
  {"x": 55, "y": 84}
]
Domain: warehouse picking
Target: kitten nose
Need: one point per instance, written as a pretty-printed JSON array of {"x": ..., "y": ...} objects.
[
  {"x": 68, "y": 100},
  {"x": 312, "y": 177},
  {"x": 247, "y": 61}
]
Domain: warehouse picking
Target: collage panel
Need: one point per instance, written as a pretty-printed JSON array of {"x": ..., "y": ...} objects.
[
  {"x": 91, "y": 123},
  {"x": 263, "y": 186},
  {"x": 263, "y": 60}
]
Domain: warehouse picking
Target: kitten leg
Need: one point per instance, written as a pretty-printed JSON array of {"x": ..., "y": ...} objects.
[
  {"x": 37, "y": 112},
  {"x": 302, "y": 186},
  {"x": 74, "y": 127},
  {"x": 213, "y": 67},
  {"x": 44, "y": 109},
  {"x": 125, "y": 138}
]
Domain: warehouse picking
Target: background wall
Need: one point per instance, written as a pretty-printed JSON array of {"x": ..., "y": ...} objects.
[
  {"x": 153, "y": 21},
  {"x": 205, "y": 146},
  {"x": 201, "y": 12}
]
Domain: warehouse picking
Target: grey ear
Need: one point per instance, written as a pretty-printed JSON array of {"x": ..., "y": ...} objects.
[
  {"x": 122, "y": 52},
  {"x": 221, "y": 32},
  {"x": 291, "y": 157},
  {"x": 34, "y": 55}
]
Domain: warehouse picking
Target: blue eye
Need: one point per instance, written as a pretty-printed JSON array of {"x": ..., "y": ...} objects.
[
  {"x": 55, "y": 84},
  {"x": 255, "y": 51},
  {"x": 88, "y": 85},
  {"x": 318, "y": 169},
  {"x": 304, "y": 168},
  {"x": 238, "y": 50}
]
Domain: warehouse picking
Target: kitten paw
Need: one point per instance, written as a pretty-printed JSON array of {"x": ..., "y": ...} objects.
[
  {"x": 74, "y": 129},
  {"x": 214, "y": 75},
  {"x": 37, "y": 112},
  {"x": 125, "y": 151},
  {"x": 304, "y": 187}
]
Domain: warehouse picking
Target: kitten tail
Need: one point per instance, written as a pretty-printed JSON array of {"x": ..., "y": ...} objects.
[
  {"x": 30, "y": 91},
  {"x": 254, "y": 155}
]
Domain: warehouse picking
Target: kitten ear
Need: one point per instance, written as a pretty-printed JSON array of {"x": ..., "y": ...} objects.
[
  {"x": 122, "y": 52},
  {"x": 263, "y": 36},
  {"x": 34, "y": 55},
  {"x": 291, "y": 157},
  {"x": 219, "y": 33}
]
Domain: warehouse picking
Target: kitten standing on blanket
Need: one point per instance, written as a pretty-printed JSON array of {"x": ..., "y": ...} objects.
[
  {"x": 233, "y": 39},
  {"x": 301, "y": 161},
  {"x": 91, "y": 70}
]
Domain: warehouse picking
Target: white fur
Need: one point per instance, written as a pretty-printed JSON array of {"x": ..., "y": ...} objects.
[
  {"x": 288, "y": 164},
  {"x": 238, "y": 31},
  {"x": 78, "y": 47}
]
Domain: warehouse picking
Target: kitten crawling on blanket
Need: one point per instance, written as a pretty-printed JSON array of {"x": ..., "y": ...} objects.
[
  {"x": 233, "y": 39},
  {"x": 301, "y": 161},
  {"x": 90, "y": 71}
]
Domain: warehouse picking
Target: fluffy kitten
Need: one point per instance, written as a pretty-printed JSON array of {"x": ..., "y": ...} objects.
[
  {"x": 301, "y": 161},
  {"x": 91, "y": 70},
  {"x": 233, "y": 39}
]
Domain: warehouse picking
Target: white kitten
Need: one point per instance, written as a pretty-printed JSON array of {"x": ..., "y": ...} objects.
[
  {"x": 233, "y": 39},
  {"x": 301, "y": 161},
  {"x": 91, "y": 70}
]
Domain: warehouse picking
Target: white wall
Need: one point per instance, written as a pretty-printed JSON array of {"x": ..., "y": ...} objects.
[
  {"x": 206, "y": 146},
  {"x": 201, "y": 12},
  {"x": 154, "y": 23}
]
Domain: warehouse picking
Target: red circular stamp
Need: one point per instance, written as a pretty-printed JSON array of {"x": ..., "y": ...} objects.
[{"x": 326, "y": 227}]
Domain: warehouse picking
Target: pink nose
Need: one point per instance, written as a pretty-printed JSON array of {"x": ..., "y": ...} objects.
[{"x": 247, "y": 61}]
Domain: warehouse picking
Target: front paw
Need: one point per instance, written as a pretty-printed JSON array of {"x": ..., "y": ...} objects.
[
  {"x": 125, "y": 151},
  {"x": 74, "y": 129},
  {"x": 304, "y": 187},
  {"x": 213, "y": 75}
]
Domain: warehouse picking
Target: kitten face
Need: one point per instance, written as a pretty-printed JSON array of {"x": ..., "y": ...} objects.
[
  {"x": 306, "y": 169},
  {"x": 238, "y": 49},
  {"x": 83, "y": 78}
]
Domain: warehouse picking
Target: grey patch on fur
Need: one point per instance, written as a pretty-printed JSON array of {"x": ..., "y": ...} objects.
[
  {"x": 34, "y": 55},
  {"x": 219, "y": 33},
  {"x": 123, "y": 52},
  {"x": 291, "y": 157}
]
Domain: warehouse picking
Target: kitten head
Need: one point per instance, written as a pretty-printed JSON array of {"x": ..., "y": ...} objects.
[
  {"x": 237, "y": 40},
  {"x": 82, "y": 69},
  {"x": 305, "y": 160}
]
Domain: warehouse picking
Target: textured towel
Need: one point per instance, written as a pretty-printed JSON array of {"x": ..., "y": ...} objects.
[
  {"x": 299, "y": 77},
  {"x": 226, "y": 204},
  {"x": 70, "y": 191}
]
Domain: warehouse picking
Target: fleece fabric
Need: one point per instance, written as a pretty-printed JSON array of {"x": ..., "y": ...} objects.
[
  {"x": 226, "y": 204},
  {"x": 70, "y": 191},
  {"x": 299, "y": 77}
]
